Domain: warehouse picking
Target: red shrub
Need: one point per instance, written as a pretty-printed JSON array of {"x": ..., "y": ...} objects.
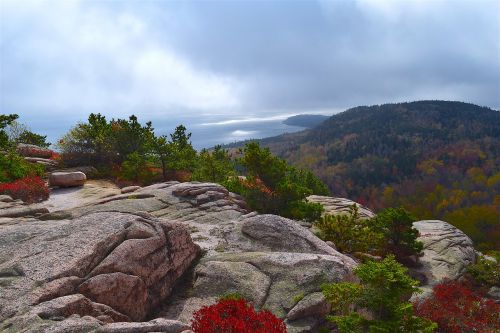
[
  {"x": 457, "y": 309},
  {"x": 235, "y": 316},
  {"x": 28, "y": 189},
  {"x": 55, "y": 156}
]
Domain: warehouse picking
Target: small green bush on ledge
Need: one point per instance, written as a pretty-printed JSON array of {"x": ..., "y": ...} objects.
[
  {"x": 378, "y": 303},
  {"x": 390, "y": 232}
]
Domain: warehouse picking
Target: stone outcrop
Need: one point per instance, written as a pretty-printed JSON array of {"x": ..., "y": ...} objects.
[
  {"x": 49, "y": 164},
  {"x": 109, "y": 260},
  {"x": 447, "y": 251},
  {"x": 10, "y": 208},
  {"x": 336, "y": 206},
  {"x": 37, "y": 155},
  {"x": 107, "y": 265},
  {"x": 116, "y": 259},
  {"x": 33, "y": 151},
  {"x": 67, "y": 179}
]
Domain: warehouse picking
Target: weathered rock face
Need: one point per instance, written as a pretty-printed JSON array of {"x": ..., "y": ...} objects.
[
  {"x": 271, "y": 280},
  {"x": 447, "y": 251},
  {"x": 33, "y": 151},
  {"x": 129, "y": 189},
  {"x": 67, "y": 179},
  {"x": 49, "y": 164},
  {"x": 336, "y": 206},
  {"x": 117, "y": 257},
  {"x": 111, "y": 266},
  {"x": 10, "y": 208}
]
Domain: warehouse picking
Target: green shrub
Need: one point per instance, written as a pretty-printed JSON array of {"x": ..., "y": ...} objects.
[
  {"x": 136, "y": 168},
  {"x": 485, "y": 272},
  {"x": 232, "y": 296},
  {"x": 383, "y": 290},
  {"x": 215, "y": 166},
  {"x": 350, "y": 233},
  {"x": 272, "y": 186},
  {"x": 5, "y": 120},
  {"x": 13, "y": 166},
  {"x": 396, "y": 224}
]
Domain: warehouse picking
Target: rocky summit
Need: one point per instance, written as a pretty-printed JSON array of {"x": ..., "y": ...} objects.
[{"x": 144, "y": 259}]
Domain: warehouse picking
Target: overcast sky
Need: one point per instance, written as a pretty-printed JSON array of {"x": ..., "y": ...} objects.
[{"x": 213, "y": 61}]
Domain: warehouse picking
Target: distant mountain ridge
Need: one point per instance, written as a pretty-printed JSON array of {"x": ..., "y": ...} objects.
[
  {"x": 305, "y": 120},
  {"x": 439, "y": 159}
]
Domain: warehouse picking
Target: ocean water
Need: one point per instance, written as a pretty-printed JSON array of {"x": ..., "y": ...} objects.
[
  {"x": 209, "y": 136},
  {"x": 207, "y": 133}
]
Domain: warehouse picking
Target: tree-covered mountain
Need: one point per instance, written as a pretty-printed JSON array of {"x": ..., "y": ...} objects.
[
  {"x": 305, "y": 120},
  {"x": 438, "y": 159}
]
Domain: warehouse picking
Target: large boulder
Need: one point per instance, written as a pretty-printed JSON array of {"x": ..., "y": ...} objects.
[
  {"x": 108, "y": 265},
  {"x": 446, "y": 254},
  {"x": 67, "y": 179},
  {"x": 272, "y": 280}
]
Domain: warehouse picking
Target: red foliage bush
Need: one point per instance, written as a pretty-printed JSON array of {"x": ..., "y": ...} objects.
[
  {"x": 235, "y": 316},
  {"x": 457, "y": 309},
  {"x": 55, "y": 156},
  {"x": 28, "y": 189}
]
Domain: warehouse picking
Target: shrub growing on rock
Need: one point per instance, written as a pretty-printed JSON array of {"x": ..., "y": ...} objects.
[
  {"x": 13, "y": 166},
  {"x": 456, "y": 309},
  {"x": 272, "y": 186},
  {"x": 383, "y": 290},
  {"x": 233, "y": 315},
  {"x": 350, "y": 233},
  {"x": 28, "y": 189},
  {"x": 396, "y": 224},
  {"x": 485, "y": 272}
]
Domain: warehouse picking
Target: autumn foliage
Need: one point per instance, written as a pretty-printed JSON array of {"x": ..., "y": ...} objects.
[
  {"x": 37, "y": 152},
  {"x": 457, "y": 309},
  {"x": 29, "y": 189},
  {"x": 235, "y": 316}
]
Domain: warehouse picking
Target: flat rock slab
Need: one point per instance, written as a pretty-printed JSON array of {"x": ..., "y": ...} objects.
[
  {"x": 338, "y": 206},
  {"x": 90, "y": 193}
]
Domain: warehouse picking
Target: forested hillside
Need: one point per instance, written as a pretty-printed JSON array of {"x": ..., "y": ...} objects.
[
  {"x": 438, "y": 159},
  {"x": 305, "y": 120}
]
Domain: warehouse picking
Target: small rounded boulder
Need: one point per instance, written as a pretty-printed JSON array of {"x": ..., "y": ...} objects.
[{"x": 67, "y": 179}]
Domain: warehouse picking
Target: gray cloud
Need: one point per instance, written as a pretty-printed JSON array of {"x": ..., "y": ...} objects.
[{"x": 165, "y": 60}]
